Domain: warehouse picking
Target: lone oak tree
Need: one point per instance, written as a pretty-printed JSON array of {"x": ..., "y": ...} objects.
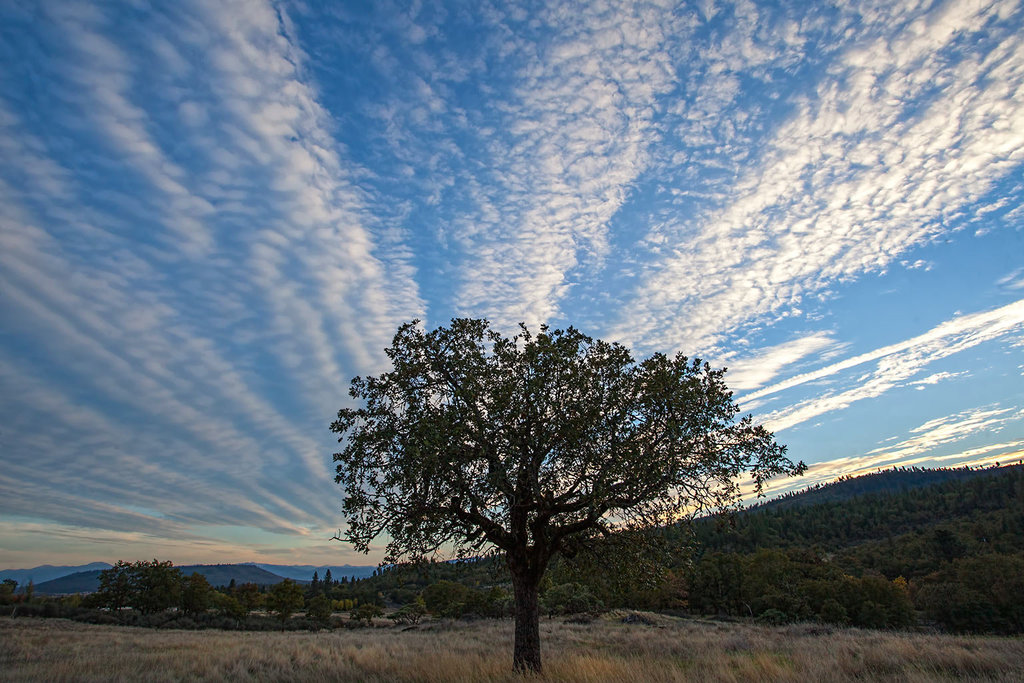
[{"x": 532, "y": 443}]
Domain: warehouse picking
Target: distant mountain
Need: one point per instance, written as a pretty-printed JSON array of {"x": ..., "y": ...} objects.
[
  {"x": 79, "y": 582},
  {"x": 222, "y": 574},
  {"x": 48, "y": 572},
  {"x": 216, "y": 574},
  {"x": 304, "y": 572}
]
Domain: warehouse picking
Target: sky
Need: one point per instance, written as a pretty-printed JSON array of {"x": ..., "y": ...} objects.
[{"x": 214, "y": 214}]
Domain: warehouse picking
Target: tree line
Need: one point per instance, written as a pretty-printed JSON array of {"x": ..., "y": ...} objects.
[{"x": 947, "y": 555}]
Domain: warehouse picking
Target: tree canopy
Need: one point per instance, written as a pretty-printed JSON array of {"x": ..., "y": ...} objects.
[{"x": 533, "y": 443}]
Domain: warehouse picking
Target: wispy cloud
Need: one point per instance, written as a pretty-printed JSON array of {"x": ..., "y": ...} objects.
[
  {"x": 751, "y": 372},
  {"x": 929, "y": 446},
  {"x": 261, "y": 258},
  {"x": 1002, "y": 453},
  {"x": 580, "y": 123},
  {"x": 212, "y": 215},
  {"x": 896, "y": 364},
  {"x": 1013, "y": 281},
  {"x": 944, "y": 430},
  {"x": 917, "y": 118}
]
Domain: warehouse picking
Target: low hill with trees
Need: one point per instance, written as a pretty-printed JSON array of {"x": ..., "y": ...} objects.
[
  {"x": 906, "y": 547},
  {"x": 918, "y": 550},
  {"x": 215, "y": 574}
]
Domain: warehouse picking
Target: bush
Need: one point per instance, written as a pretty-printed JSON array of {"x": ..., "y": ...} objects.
[
  {"x": 446, "y": 598},
  {"x": 569, "y": 598},
  {"x": 366, "y": 612},
  {"x": 409, "y": 614},
  {"x": 833, "y": 613},
  {"x": 774, "y": 616}
]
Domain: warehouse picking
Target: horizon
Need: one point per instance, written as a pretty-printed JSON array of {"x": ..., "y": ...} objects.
[
  {"x": 212, "y": 216},
  {"x": 750, "y": 502}
]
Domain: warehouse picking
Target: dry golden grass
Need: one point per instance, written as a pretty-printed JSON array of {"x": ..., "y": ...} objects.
[{"x": 606, "y": 650}]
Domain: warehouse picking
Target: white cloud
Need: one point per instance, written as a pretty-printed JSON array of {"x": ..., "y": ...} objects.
[
  {"x": 751, "y": 372},
  {"x": 1012, "y": 281},
  {"x": 896, "y": 364},
  {"x": 945, "y": 430},
  {"x": 937, "y": 377},
  {"x": 575, "y": 136},
  {"x": 290, "y": 269},
  {"x": 906, "y": 129},
  {"x": 824, "y": 472},
  {"x": 928, "y": 446}
]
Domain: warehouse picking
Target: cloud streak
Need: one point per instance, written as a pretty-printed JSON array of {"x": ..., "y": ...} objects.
[
  {"x": 896, "y": 364},
  {"x": 909, "y": 125},
  {"x": 213, "y": 215}
]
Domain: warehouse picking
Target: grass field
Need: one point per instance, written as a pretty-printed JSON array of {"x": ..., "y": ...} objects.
[{"x": 606, "y": 650}]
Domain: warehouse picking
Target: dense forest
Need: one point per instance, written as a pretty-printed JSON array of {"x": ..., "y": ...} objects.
[
  {"x": 900, "y": 548},
  {"x": 904, "y": 548}
]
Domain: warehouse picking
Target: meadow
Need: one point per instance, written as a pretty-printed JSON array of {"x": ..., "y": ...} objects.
[{"x": 652, "y": 648}]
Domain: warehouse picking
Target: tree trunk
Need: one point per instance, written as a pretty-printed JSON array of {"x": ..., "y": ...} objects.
[{"x": 526, "y": 652}]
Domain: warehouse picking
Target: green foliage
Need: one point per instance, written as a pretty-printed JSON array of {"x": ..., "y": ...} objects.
[
  {"x": 284, "y": 599},
  {"x": 958, "y": 542},
  {"x": 799, "y": 585},
  {"x": 630, "y": 568},
  {"x": 144, "y": 586},
  {"x": 116, "y": 586},
  {"x": 8, "y": 588},
  {"x": 157, "y": 586},
  {"x": 569, "y": 598},
  {"x": 366, "y": 613},
  {"x": 229, "y": 606},
  {"x": 568, "y": 429},
  {"x": 248, "y": 596},
  {"x": 979, "y": 594},
  {"x": 832, "y": 612},
  {"x": 197, "y": 595},
  {"x": 410, "y": 613},
  {"x": 319, "y": 610}
]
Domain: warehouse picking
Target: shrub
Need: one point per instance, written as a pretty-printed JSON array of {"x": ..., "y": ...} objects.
[
  {"x": 833, "y": 613},
  {"x": 774, "y": 616},
  {"x": 409, "y": 614},
  {"x": 366, "y": 612},
  {"x": 569, "y": 598}
]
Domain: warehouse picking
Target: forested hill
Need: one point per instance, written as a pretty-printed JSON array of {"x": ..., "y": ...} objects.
[
  {"x": 216, "y": 574},
  {"x": 883, "y": 507},
  {"x": 887, "y": 481},
  {"x": 949, "y": 554},
  {"x": 902, "y": 548}
]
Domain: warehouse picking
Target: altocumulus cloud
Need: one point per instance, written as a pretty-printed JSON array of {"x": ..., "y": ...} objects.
[{"x": 213, "y": 215}]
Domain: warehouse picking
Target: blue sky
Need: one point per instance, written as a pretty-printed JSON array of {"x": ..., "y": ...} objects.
[{"x": 214, "y": 214}]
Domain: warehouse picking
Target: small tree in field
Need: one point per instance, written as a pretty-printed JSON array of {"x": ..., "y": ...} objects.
[
  {"x": 284, "y": 599},
  {"x": 532, "y": 444},
  {"x": 196, "y": 595}
]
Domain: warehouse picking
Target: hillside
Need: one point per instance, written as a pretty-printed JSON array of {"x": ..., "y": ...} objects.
[
  {"x": 48, "y": 572},
  {"x": 304, "y": 572},
  {"x": 880, "y": 508},
  {"x": 949, "y": 554},
  {"x": 216, "y": 574},
  {"x": 887, "y": 481},
  {"x": 943, "y": 548}
]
